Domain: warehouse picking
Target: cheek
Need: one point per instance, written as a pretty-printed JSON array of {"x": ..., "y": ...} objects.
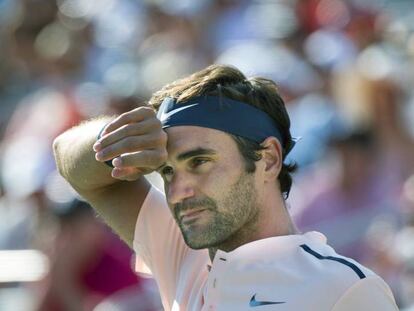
[{"x": 219, "y": 180}]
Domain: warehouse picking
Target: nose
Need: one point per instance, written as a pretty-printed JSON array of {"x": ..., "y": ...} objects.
[{"x": 180, "y": 188}]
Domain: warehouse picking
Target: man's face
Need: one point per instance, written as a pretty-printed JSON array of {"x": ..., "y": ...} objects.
[{"x": 209, "y": 193}]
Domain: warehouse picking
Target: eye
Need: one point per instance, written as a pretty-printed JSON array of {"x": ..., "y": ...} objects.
[{"x": 196, "y": 162}]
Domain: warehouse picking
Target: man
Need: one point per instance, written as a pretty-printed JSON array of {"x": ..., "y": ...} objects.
[{"x": 221, "y": 238}]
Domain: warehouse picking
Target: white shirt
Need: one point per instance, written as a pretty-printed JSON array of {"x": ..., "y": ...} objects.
[{"x": 294, "y": 272}]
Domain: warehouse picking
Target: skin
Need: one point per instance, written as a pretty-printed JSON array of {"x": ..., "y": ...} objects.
[
  {"x": 137, "y": 142},
  {"x": 216, "y": 204},
  {"x": 241, "y": 207}
]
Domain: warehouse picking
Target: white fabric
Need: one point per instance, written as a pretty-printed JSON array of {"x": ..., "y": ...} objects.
[{"x": 276, "y": 269}]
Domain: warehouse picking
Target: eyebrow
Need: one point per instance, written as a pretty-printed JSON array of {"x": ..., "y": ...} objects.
[{"x": 195, "y": 152}]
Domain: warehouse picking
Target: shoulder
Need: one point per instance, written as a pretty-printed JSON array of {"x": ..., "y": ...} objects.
[
  {"x": 300, "y": 266},
  {"x": 308, "y": 254},
  {"x": 353, "y": 286},
  {"x": 322, "y": 260},
  {"x": 370, "y": 293}
]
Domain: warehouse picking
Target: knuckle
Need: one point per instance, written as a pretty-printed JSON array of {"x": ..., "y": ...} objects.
[
  {"x": 155, "y": 123},
  {"x": 162, "y": 138},
  {"x": 124, "y": 118},
  {"x": 148, "y": 110},
  {"x": 103, "y": 141},
  {"x": 144, "y": 111},
  {"x": 124, "y": 144},
  {"x": 127, "y": 161},
  {"x": 127, "y": 143},
  {"x": 159, "y": 141},
  {"x": 161, "y": 156},
  {"x": 107, "y": 151},
  {"x": 129, "y": 130},
  {"x": 109, "y": 140},
  {"x": 142, "y": 160},
  {"x": 143, "y": 141}
]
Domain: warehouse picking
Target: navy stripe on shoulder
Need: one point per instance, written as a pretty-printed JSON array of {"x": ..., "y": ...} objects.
[{"x": 341, "y": 260}]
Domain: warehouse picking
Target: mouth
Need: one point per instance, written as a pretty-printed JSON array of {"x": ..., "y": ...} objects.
[{"x": 191, "y": 215}]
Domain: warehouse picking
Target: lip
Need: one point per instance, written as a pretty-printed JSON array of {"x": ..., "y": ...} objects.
[{"x": 191, "y": 214}]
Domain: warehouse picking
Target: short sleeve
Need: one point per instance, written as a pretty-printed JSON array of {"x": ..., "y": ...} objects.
[
  {"x": 159, "y": 245},
  {"x": 370, "y": 293}
]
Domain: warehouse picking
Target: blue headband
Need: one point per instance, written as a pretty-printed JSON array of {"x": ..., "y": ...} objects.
[{"x": 221, "y": 113}]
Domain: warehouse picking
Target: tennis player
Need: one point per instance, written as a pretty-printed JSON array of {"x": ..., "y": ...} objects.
[{"x": 221, "y": 238}]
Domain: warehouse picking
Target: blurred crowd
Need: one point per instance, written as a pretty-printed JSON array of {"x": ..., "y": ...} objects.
[{"x": 344, "y": 67}]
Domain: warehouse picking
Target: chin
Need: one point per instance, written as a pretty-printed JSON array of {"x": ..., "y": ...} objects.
[
  {"x": 195, "y": 241},
  {"x": 199, "y": 239}
]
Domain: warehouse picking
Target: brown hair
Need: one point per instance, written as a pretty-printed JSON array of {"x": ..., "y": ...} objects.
[{"x": 221, "y": 80}]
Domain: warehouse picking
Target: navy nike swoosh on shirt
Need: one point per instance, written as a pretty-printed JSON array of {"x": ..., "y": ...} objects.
[{"x": 255, "y": 303}]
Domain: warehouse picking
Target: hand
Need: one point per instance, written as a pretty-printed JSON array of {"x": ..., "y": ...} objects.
[{"x": 135, "y": 142}]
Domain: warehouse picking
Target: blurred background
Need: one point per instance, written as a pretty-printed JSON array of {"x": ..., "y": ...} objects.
[{"x": 346, "y": 72}]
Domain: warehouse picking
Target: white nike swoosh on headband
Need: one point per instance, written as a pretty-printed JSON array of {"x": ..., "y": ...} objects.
[{"x": 164, "y": 115}]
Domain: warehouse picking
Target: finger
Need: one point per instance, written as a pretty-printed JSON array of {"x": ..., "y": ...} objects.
[
  {"x": 135, "y": 115},
  {"x": 143, "y": 159},
  {"x": 133, "y": 129},
  {"x": 130, "y": 144},
  {"x": 126, "y": 173}
]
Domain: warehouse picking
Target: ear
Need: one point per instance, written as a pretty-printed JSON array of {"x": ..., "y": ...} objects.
[{"x": 271, "y": 158}]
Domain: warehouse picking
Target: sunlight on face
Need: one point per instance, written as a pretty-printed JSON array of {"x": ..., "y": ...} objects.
[
  {"x": 210, "y": 195},
  {"x": 222, "y": 218}
]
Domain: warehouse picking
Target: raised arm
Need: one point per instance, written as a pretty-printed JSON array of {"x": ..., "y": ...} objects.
[{"x": 137, "y": 142}]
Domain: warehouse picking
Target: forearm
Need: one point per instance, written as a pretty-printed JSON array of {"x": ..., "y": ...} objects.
[
  {"x": 75, "y": 157},
  {"x": 137, "y": 140}
]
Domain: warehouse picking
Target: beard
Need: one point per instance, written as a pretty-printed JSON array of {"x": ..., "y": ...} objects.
[{"x": 223, "y": 219}]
